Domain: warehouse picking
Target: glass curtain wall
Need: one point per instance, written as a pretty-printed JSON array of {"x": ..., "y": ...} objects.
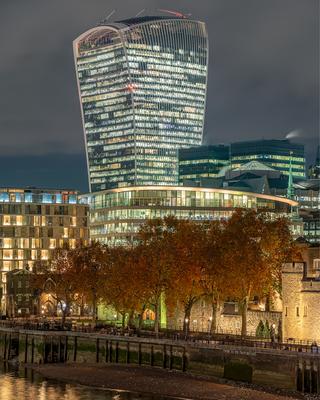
[{"x": 142, "y": 85}]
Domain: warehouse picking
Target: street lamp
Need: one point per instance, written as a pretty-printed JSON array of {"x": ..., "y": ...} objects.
[
  {"x": 209, "y": 326},
  {"x": 186, "y": 327},
  {"x": 273, "y": 333}
]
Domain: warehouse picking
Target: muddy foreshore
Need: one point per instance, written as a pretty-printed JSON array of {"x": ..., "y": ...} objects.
[{"x": 153, "y": 381}]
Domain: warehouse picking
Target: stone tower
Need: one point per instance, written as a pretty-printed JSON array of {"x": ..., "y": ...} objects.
[{"x": 301, "y": 296}]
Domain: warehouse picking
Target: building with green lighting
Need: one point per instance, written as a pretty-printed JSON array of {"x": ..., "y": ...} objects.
[
  {"x": 199, "y": 163},
  {"x": 142, "y": 87},
  {"x": 273, "y": 153}
]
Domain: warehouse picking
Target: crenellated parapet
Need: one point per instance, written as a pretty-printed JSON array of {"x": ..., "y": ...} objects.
[{"x": 293, "y": 268}]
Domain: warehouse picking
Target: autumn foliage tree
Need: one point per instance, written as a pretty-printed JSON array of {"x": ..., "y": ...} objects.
[
  {"x": 156, "y": 259},
  {"x": 186, "y": 268},
  {"x": 257, "y": 246},
  {"x": 91, "y": 264},
  {"x": 215, "y": 282},
  {"x": 125, "y": 288},
  {"x": 180, "y": 261}
]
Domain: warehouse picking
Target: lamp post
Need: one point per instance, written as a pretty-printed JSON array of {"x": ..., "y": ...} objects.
[
  {"x": 209, "y": 327},
  {"x": 186, "y": 327},
  {"x": 273, "y": 333}
]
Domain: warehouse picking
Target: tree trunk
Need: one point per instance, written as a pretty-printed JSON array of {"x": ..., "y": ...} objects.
[
  {"x": 123, "y": 321},
  {"x": 244, "y": 310},
  {"x": 216, "y": 306},
  {"x": 82, "y": 307},
  {"x": 140, "y": 318},
  {"x": 156, "y": 318},
  {"x": 94, "y": 309},
  {"x": 130, "y": 319},
  {"x": 63, "y": 319},
  {"x": 268, "y": 302}
]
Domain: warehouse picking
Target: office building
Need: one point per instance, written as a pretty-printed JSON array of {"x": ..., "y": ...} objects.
[
  {"x": 276, "y": 154},
  {"x": 199, "y": 163},
  {"x": 33, "y": 223},
  {"x": 142, "y": 87},
  {"x": 314, "y": 170},
  {"x": 117, "y": 214}
]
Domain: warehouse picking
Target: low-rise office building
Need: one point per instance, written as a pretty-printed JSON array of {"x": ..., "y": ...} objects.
[
  {"x": 199, "y": 163},
  {"x": 277, "y": 154},
  {"x": 116, "y": 214},
  {"x": 257, "y": 177},
  {"x": 33, "y": 223}
]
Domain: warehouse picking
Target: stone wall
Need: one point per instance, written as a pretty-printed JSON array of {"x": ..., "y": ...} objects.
[
  {"x": 270, "y": 369},
  {"x": 227, "y": 323}
]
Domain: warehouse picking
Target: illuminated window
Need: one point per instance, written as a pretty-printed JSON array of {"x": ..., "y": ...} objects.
[
  {"x": 44, "y": 255},
  {"x": 316, "y": 264},
  {"x": 6, "y": 220},
  {"x": 7, "y": 254},
  {"x": 52, "y": 243},
  {"x": 7, "y": 266},
  {"x": 7, "y": 243},
  {"x": 20, "y": 254}
]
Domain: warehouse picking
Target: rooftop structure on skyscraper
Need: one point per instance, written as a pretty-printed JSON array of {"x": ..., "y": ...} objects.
[{"x": 142, "y": 86}]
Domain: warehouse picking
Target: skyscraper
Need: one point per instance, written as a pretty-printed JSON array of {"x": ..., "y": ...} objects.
[{"x": 142, "y": 87}]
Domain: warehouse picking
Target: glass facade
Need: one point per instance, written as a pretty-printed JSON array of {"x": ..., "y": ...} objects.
[
  {"x": 142, "y": 87},
  {"x": 115, "y": 215},
  {"x": 34, "y": 222},
  {"x": 202, "y": 162},
  {"x": 273, "y": 153}
]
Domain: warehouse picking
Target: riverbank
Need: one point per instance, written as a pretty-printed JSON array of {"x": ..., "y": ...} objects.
[{"x": 154, "y": 381}]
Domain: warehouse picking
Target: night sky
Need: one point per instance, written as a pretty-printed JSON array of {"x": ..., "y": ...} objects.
[{"x": 263, "y": 78}]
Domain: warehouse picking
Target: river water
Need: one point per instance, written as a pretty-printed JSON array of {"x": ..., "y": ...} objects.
[{"x": 25, "y": 384}]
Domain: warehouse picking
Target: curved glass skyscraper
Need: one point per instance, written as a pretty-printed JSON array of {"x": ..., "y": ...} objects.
[{"x": 142, "y": 87}]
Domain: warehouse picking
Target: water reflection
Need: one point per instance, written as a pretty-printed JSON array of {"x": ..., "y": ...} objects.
[{"x": 25, "y": 384}]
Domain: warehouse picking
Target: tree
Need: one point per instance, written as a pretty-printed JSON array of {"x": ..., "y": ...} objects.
[
  {"x": 91, "y": 262},
  {"x": 266, "y": 330},
  {"x": 215, "y": 280},
  {"x": 125, "y": 288},
  {"x": 186, "y": 245},
  {"x": 260, "y": 330},
  {"x": 256, "y": 248},
  {"x": 157, "y": 260}
]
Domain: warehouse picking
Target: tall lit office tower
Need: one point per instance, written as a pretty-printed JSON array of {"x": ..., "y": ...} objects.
[{"x": 142, "y": 87}]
